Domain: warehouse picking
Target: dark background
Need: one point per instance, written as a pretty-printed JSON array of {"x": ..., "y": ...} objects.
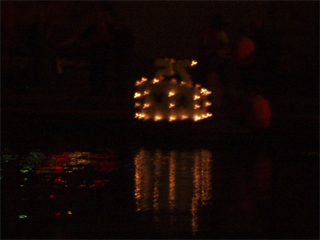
[{"x": 169, "y": 29}]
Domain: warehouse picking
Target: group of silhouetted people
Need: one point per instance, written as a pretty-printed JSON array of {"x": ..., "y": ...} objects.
[
  {"x": 245, "y": 66},
  {"x": 110, "y": 45}
]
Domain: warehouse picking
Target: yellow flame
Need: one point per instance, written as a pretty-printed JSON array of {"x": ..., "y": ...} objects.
[
  {"x": 197, "y": 106},
  {"x": 193, "y": 63},
  {"x": 208, "y": 104},
  {"x": 197, "y": 118},
  {"x": 146, "y": 105},
  {"x": 171, "y": 105},
  {"x": 140, "y": 115},
  {"x": 196, "y": 97},
  {"x": 157, "y": 117},
  {"x": 146, "y": 92},
  {"x": 172, "y": 118},
  {"x": 155, "y": 80},
  {"x": 136, "y": 95},
  {"x": 143, "y": 79},
  {"x": 137, "y": 104},
  {"x": 171, "y": 94},
  {"x": 205, "y": 91}
]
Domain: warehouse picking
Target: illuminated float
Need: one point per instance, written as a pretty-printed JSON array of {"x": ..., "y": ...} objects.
[{"x": 166, "y": 98}]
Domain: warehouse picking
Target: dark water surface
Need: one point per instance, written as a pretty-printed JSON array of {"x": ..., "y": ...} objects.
[{"x": 97, "y": 178}]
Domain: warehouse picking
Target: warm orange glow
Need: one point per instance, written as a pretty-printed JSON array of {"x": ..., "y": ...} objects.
[
  {"x": 155, "y": 80},
  {"x": 157, "y": 117},
  {"x": 196, "y": 97},
  {"x": 171, "y": 94},
  {"x": 183, "y": 117},
  {"x": 137, "y": 95},
  {"x": 137, "y": 104},
  {"x": 146, "y": 105},
  {"x": 208, "y": 104},
  {"x": 183, "y": 83},
  {"x": 172, "y": 118},
  {"x": 205, "y": 91},
  {"x": 171, "y": 105},
  {"x": 193, "y": 63},
  {"x": 143, "y": 79},
  {"x": 197, "y": 106},
  {"x": 146, "y": 92},
  {"x": 197, "y": 118},
  {"x": 140, "y": 115}
]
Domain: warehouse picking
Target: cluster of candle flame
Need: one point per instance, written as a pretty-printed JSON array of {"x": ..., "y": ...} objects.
[{"x": 148, "y": 108}]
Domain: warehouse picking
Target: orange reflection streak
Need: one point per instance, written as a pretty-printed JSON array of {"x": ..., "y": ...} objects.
[
  {"x": 206, "y": 176},
  {"x": 172, "y": 180},
  {"x": 196, "y": 192},
  {"x": 176, "y": 186},
  {"x": 158, "y": 157},
  {"x": 138, "y": 179}
]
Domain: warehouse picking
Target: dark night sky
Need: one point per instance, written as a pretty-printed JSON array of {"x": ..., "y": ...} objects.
[{"x": 169, "y": 28}]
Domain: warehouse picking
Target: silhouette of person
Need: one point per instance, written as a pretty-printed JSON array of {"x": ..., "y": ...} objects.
[
  {"x": 245, "y": 57},
  {"x": 123, "y": 45},
  {"x": 37, "y": 41},
  {"x": 101, "y": 50},
  {"x": 213, "y": 47}
]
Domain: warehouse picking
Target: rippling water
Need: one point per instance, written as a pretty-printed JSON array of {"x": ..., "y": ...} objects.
[{"x": 155, "y": 192}]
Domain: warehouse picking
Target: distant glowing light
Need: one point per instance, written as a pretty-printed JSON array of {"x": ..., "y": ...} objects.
[
  {"x": 21, "y": 185},
  {"x": 183, "y": 117},
  {"x": 171, "y": 94},
  {"x": 197, "y": 118},
  {"x": 155, "y": 80},
  {"x": 196, "y": 97},
  {"x": 208, "y": 104},
  {"x": 157, "y": 117},
  {"x": 137, "y": 104},
  {"x": 197, "y": 106},
  {"x": 183, "y": 83},
  {"x": 146, "y": 92},
  {"x": 193, "y": 63},
  {"x": 22, "y": 216},
  {"x": 171, "y": 105},
  {"x": 172, "y": 118},
  {"x": 146, "y": 105},
  {"x": 140, "y": 115},
  {"x": 69, "y": 212},
  {"x": 58, "y": 214},
  {"x": 205, "y": 91},
  {"x": 137, "y": 95},
  {"x": 198, "y": 85},
  {"x": 143, "y": 79}
]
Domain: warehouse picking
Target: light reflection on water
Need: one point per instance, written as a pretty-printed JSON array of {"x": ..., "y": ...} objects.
[
  {"x": 173, "y": 182},
  {"x": 175, "y": 185}
]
